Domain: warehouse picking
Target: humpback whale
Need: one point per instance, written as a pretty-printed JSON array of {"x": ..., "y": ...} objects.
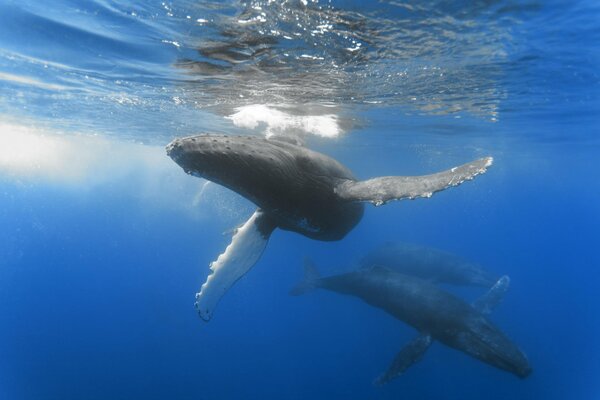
[
  {"x": 295, "y": 189},
  {"x": 429, "y": 263},
  {"x": 435, "y": 313}
]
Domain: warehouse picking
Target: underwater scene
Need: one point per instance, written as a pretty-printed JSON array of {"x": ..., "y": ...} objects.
[{"x": 299, "y": 199}]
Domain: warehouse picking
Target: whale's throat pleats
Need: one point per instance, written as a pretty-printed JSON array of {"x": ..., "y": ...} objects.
[{"x": 239, "y": 257}]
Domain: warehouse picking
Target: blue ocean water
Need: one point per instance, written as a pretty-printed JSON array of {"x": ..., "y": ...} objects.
[{"x": 104, "y": 240}]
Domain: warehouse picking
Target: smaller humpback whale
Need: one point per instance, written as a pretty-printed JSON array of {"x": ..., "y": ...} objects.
[
  {"x": 296, "y": 189},
  {"x": 435, "y": 313},
  {"x": 428, "y": 263}
]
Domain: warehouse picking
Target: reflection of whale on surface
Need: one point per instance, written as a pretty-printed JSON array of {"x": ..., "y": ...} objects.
[
  {"x": 435, "y": 313},
  {"x": 429, "y": 263},
  {"x": 295, "y": 189}
]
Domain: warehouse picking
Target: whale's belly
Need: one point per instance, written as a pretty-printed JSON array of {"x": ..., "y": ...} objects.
[{"x": 318, "y": 220}]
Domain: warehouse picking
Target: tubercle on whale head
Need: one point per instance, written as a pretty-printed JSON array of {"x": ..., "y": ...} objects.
[
  {"x": 199, "y": 155},
  {"x": 179, "y": 146},
  {"x": 222, "y": 157},
  {"x": 248, "y": 165}
]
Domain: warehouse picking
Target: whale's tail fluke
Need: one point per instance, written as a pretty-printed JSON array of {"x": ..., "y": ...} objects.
[{"x": 311, "y": 279}]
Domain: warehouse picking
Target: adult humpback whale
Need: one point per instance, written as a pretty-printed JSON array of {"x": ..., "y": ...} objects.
[
  {"x": 429, "y": 263},
  {"x": 435, "y": 313},
  {"x": 296, "y": 189}
]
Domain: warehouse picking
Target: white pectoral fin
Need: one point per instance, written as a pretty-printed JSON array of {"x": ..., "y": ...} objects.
[
  {"x": 247, "y": 245},
  {"x": 386, "y": 188},
  {"x": 490, "y": 300}
]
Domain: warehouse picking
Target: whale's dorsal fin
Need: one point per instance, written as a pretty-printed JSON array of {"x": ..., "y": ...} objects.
[
  {"x": 490, "y": 300},
  {"x": 386, "y": 188},
  {"x": 410, "y": 354},
  {"x": 247, "y": 245}
]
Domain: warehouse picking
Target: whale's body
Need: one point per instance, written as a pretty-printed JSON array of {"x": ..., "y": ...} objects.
[
  {"x": 429, "y": 263},
  {"x": 295, "y": 189},
  {"x": 435, "y": 313},
  {"x": 292, "y": 184}
]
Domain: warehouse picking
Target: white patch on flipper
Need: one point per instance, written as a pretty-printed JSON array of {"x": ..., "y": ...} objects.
[
  {"x": 245, "y": 249},
  {"x": 490, "y": 300}
]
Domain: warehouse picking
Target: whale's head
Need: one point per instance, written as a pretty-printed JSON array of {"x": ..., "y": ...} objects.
[
  {"x": 238, "y": 162},
  {"x": 484, "y": 341},
  {"x": 207, "y": 156},
  {"x": 241, "y": 163},
  {"x": 263, "y": 171}
]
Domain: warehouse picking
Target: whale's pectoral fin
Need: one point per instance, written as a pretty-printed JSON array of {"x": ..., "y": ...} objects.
[
  {"x": 245, "y": 249},
  {"x": 410, "y": 354},
  {"x": 490, "y": 300},
  {"x": 383, "y": 189}
]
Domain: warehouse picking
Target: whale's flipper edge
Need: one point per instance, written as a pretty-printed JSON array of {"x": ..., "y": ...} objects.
[
  {"x": 490, "y": 300},
  {"x": 386, "y": 188},
  {"x": 409, "y": 355},
  {"x": 247, "y": 245}
]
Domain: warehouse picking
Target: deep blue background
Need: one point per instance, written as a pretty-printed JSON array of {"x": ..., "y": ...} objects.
[
  {"x": 97, "y": 284},
  {"x": 96, "y": 295}
]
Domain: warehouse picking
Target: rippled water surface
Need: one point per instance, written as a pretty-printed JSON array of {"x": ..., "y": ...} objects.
[
  {"x": 104, "y": 240},
  {"x": 172, "y": 65}
]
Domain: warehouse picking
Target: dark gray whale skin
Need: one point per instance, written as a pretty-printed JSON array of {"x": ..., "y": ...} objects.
[
  {"x": 429, "y": 263},
  {"x": 292, "y": 184},
  {"x": 432, "y": 310}
]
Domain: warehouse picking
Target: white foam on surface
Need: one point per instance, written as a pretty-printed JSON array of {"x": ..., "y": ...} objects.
[{"x": 277, "y": 122}]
